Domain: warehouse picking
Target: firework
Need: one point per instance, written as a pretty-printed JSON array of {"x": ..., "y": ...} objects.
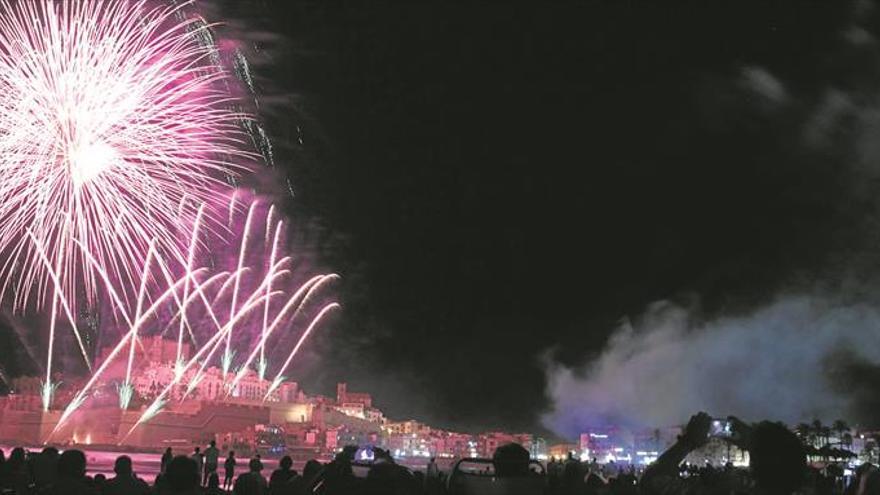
[
  {"x": 262, "y": 303},
  {"x": 119, "y": 137},
  {"x": 115, "y": 128}
]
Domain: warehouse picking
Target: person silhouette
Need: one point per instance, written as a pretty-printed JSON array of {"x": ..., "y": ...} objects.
[
  {"x": 200, "y": 460},
  {"x": 125, "y": 482},
  {"x": 45, "y": 467},
  {"x": 166, "y": 458},
  {"x": 211, "y": 456},
  {"x": 213, "y": 486},
  {"x": 251, "y": 482},
  {"x": 182, "y": 476},
  {"x": 511, "y": 460},
  {"x": 280, "y": 478},
  {"x": 71, "y": 479},
  {"x": 229, "y": 468}
]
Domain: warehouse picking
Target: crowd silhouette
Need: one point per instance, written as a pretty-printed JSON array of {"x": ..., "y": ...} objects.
[{"x": 778, "y": 466}]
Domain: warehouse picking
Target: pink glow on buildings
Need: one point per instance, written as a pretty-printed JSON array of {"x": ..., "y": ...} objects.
[{"x": 303, "y": 426}]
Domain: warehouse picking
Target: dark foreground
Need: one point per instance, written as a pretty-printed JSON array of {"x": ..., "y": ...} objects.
[{"x": 778, "y": 466}]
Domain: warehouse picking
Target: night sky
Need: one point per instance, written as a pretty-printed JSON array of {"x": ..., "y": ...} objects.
[{"x": 499, "y": 183}]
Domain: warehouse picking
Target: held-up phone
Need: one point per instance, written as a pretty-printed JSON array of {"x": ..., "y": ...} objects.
[
  {"x": 721, "y": 428},
  {"x": 365, "y": 454}
]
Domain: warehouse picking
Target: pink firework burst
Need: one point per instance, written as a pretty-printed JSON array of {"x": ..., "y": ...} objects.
[{"x": 116, "y": 122}]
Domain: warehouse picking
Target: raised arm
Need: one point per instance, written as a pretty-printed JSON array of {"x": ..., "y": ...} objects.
[{"x": 695, "y": 435}]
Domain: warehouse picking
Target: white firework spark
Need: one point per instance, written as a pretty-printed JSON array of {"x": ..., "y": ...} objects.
[{"x": 114, "y": 127}]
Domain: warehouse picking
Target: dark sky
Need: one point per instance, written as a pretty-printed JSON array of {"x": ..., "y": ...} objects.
[{"x": 498, "y": 182}]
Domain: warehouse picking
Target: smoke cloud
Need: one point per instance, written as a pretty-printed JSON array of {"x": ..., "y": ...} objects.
[
  {"x": 792, "y": 360},
  {"x": 798, "y": 356}
]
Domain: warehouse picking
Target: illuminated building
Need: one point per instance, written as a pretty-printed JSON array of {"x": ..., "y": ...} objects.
[
  {"x": 203, "y": 408},
  {"x": 489, "y": 441},
  {"x": 560, "y": 451},
  {"x": 356, "y": 404},
  {"x": 407, "y": 427}
]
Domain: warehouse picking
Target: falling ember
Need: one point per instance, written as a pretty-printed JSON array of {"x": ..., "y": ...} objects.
[{"x": 115, "y": 126}]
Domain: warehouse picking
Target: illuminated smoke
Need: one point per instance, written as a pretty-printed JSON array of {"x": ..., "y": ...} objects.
[{"x": 781, "y": 362}]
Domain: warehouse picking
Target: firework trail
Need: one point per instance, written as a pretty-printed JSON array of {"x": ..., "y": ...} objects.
[
  {"x": 115, "y": 128},
  {"x": 212, "y": 345},
  {"x": 296, "y": 303},
  {"x": 279, "y": 378},
  {"x": 229, "y": 355},
  {"x": 82, "y": 394},
  {"x": 267, "y": 302},
  {"x": 262, "y": 364}
]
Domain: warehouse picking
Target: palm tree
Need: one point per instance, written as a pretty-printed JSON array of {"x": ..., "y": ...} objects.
[
  {"x": 846, "y": 440},
  {"x": 825, "y": 433},
  {"x": 804, "y": 431},
  {"x": 840, "y": 427},
  {"x": 817, "y": 431}
]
